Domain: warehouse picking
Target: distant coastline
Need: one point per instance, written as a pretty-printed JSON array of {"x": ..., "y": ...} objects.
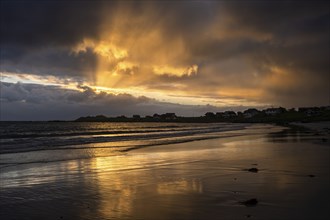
[{"x": 271, "y": 115}]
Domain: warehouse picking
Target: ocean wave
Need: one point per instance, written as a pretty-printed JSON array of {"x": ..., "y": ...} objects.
[
  {"x": 19, "y": 151},
  {"x": 50, "y": 138},
  {"x": 118, "y": 139}
]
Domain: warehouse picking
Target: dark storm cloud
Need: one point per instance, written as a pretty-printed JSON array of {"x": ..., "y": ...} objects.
[
  {"x": 278, "y": 51},
  {"x": 51, "y": 61},
  {"x": 37, "y": 36},
  {"x": 274, "y": 15},
  {"x": 296, "y": 39},
  {"x": 32, "y": 25},
  {"x": 48, "y": 23},
  {"x": 296, "y": 27},
  {"x": 29, "y": 28},
  {"x": 52, "y": 102}
]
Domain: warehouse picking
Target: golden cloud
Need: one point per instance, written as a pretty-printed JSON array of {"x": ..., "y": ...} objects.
[{"x": 173, "y": 71}]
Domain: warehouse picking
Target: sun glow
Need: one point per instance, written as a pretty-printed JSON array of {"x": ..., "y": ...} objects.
[{"x": 110, "y": 51}]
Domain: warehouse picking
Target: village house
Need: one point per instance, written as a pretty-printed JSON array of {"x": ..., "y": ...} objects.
[
  {"x": 156, "y": 116},
  {"x": 274, "y": 111},
  {"x": 226, "y": 114}
]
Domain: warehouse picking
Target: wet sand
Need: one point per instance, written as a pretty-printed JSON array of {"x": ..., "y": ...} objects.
[{"x": 207, "y": 179}]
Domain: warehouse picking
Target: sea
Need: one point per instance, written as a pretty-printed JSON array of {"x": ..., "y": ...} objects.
[{"x": 35, "y": 142}]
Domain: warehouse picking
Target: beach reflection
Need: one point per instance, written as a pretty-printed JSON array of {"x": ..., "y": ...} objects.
[
  {"x": 116, "y": 191},
  {"x": 123, "y": 182},
  {"x": 29, "y": 175},
  {"x": 180, "y": 187},
  {"x": 292, "y": 135},
  {"x": 194, "y": 180}
]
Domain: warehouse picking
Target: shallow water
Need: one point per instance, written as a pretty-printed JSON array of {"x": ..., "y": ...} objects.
[
  {"x": 194, "y": 180},
  {"x": 36, "y": 136},
  {"x": 30, "y": 142}
]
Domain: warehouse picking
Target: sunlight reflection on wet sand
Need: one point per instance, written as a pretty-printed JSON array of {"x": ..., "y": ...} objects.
[{"x": 200, "y": 180}]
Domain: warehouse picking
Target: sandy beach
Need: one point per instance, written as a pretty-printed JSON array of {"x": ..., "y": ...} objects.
[{"x": 277, "y": 175}]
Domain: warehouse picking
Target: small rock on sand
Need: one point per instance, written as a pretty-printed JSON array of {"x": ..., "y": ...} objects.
[
  {"x": 250, "y": 202},
  {"x": 253, "y": 170}
]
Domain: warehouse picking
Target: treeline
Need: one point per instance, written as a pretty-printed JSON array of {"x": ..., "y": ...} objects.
[{"x": 271, "y": 115}]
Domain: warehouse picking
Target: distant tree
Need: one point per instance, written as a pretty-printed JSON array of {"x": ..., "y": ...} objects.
[
  {"x": 229, "y": 114},
  {"x": 122, "y": 116},
  {"x": 251, "y": 112},
  {"x": 219, "y": 114},
  {"x": 282, "y": 110},
  {"x": 156, "y": 116},
  {"x": 100, "y": 116},
  {"x": 209, "y": 114},
  {"x": 168, "y": 116}
]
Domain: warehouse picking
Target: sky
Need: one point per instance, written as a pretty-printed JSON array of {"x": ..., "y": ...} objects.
[{"x": 66, "y": 59}]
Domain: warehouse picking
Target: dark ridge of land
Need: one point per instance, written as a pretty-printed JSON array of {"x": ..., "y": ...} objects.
[{"x": 279, "y": 116}]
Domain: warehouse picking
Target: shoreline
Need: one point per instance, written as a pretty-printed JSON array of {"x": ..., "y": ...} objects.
[{"x": 104, "y": 149}]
